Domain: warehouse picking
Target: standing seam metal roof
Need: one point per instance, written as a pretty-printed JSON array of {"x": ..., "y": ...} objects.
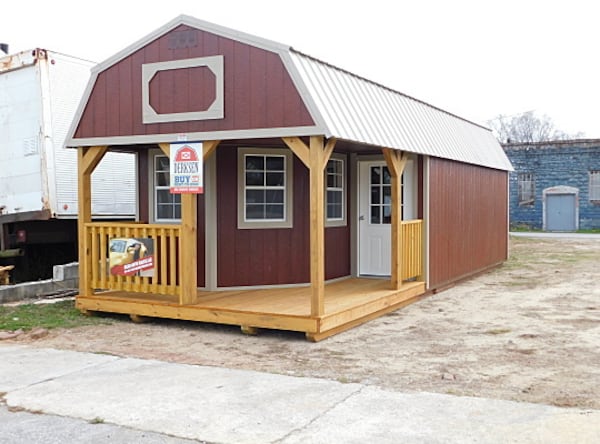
[{"x": 360, "y": 110}]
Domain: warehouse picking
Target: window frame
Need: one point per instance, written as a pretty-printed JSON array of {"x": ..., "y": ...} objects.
[
  {"x": 594, "y": 186},
  {"x": 287, "y": 221},
  {"x": 521, "y": 191},
  {"x": 154, "y": 154},
  {"x": 337, "y": 222}
]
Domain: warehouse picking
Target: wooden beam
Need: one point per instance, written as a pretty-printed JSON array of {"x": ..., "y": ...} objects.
[
  {"x": 188, "y": 264},
  {"x": 165, "y": 148},
  {"x": 208, "y": 147},
  {"x": 317, "y": 226},
  {"x": 299, "y": 148},
  {"x": 396, "y": 161},
  {"x": 329, "y": 146},
  {"x": 92, "y": 157},
  {"x": 87, "y": 160}
]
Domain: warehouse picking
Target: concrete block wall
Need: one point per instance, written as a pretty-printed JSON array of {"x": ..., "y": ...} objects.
[
  {"x": 554, "y": 164},
  {"x": 65, "y": 278}
]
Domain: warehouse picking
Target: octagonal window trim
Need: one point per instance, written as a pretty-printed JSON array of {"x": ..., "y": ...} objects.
[{"x": 215, "y": 111}]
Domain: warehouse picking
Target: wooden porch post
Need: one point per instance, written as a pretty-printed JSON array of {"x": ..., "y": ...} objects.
[
  {"x": 87, "y": 160},
  {"x": 315, "y": 158},
  {"x": 396, "y": 160},
  {"x": 188, "y": 245}
]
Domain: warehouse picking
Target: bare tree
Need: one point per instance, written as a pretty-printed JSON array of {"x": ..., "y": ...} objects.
[{"x": 527, "y": 127}]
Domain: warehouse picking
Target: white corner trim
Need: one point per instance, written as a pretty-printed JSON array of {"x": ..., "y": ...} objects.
[{"x": 215, "y": 111}]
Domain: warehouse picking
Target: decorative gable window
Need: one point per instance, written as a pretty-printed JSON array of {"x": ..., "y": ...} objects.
[
  {"x": 335, "y": 193},
  {"x": 526, "y": 188},
  {"x": 167, "y": 206},
  {"x": 595, "y": 186},
  {"x": 265, "y": 191}
]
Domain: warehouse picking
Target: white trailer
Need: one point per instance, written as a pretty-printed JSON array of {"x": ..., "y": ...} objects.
[{"x": 39, "y": 94}]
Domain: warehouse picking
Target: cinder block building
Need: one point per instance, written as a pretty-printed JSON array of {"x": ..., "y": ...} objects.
[{"x": 555, "y": 186}]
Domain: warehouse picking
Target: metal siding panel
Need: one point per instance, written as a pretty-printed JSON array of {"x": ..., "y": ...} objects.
[
  {"x": 468, "y": 220},
  {"x": 113, "y": 182},
  {"x": 21, "y": 142}
]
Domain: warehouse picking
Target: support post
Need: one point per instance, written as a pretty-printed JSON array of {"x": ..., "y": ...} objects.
[
  {"x": 315, "y": 158},
  {"x": 317, "y": 227},
  {"x": 87, "y": 160},
  {"x": 396, "y": 161},
  {"x": 188, "y": 244}
]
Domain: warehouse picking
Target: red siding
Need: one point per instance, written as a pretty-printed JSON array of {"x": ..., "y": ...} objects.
[
  {"x": 271, "y": 256},
  {"x": 467, "y": 220},
  {"x": 259, "y": 92}
]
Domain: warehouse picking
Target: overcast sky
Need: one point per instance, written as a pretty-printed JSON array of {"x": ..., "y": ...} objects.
[{"x": 473, "y": 58}]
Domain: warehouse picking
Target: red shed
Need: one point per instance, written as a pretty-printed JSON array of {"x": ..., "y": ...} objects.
[{"x": 317, "y": 184}]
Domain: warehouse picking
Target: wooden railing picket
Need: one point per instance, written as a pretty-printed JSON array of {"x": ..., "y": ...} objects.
[{"x": 166, "y": 267}]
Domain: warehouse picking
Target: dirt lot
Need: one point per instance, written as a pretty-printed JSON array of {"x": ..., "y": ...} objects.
[{"x": 528, "y": 331}]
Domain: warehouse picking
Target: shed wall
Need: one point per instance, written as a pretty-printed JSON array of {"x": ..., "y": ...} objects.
[
  {"x": 271, "y": 256},
  {"x": 259, "y": 93},
  {"x": 468, "y": 220}
]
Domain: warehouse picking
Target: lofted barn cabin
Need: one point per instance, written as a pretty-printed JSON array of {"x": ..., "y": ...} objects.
[{"x": 327, "y": 199}]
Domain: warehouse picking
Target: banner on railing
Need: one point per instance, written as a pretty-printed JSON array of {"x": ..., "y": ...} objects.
[
  {"x": 186, "y": 168},
  {"x": 131, "y": 257}
]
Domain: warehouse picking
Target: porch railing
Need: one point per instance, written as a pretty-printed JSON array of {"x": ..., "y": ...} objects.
[
  {"x": 412, "y": 249},
  {"x": 165, "y": 240},
  {"x": 161, "y": 243}
]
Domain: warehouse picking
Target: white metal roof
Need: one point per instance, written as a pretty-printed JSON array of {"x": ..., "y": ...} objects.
[{"x": 353, "y": 108}]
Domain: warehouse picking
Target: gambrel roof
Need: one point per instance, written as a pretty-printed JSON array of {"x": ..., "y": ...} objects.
[{"x": 327, "y": 101}]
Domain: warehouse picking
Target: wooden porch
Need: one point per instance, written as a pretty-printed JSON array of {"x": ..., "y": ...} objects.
[
  {"x": 348, "y": 303},
  {"x": 319, "y": 309}
]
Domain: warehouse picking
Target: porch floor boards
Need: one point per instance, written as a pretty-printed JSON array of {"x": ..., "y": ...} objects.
[{"x": 348, "y": 302}]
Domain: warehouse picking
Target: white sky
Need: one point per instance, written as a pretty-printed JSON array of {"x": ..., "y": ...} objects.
[{"x": 473, "y": 58}]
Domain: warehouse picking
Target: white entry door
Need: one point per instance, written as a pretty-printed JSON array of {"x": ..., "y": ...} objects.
[{"x": 375, "y": 209}]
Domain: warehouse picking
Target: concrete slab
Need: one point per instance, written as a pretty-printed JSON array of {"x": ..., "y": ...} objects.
[
  {"x": 23, "y": 366},
  {"x": 206, "y": 403},
  {"x": 234, "y": 406},
  {"x": 23, "y": 427},
  {"x": 375, "y": 415}
]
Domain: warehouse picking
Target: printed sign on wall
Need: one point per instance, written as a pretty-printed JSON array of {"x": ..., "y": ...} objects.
[
  {"x": 131, "y": 257},
  {"x": 186, "y": 168}
]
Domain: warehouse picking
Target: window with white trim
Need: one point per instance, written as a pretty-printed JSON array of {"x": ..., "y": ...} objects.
[
  {"x": 264, "y": 199},
  {"x": 595, "y": 186},
  {"x": 167, "y": 206},
  {"x": 335, "y": 191},
  {"x": 526, "y": 188}
]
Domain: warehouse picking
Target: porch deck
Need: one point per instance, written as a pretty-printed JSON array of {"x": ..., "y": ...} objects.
[{"x": 348, "y": 302}]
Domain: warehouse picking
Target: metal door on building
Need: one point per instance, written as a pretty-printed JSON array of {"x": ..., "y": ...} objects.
[{"x": 561, "y": 212}]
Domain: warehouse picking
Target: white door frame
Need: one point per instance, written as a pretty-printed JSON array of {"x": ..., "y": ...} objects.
[{"x": 379, "y": 264}]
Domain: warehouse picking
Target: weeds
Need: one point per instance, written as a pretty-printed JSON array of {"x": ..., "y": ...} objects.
[{"x": 58, "y": 314}]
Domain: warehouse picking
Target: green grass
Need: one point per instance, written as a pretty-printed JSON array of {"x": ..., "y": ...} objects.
[{"x": 58, "y": 314}]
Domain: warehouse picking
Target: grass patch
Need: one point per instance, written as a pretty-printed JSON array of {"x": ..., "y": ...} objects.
[
  {"x": 58, "y": 314},
  {"x": 96, "y": 420}
]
